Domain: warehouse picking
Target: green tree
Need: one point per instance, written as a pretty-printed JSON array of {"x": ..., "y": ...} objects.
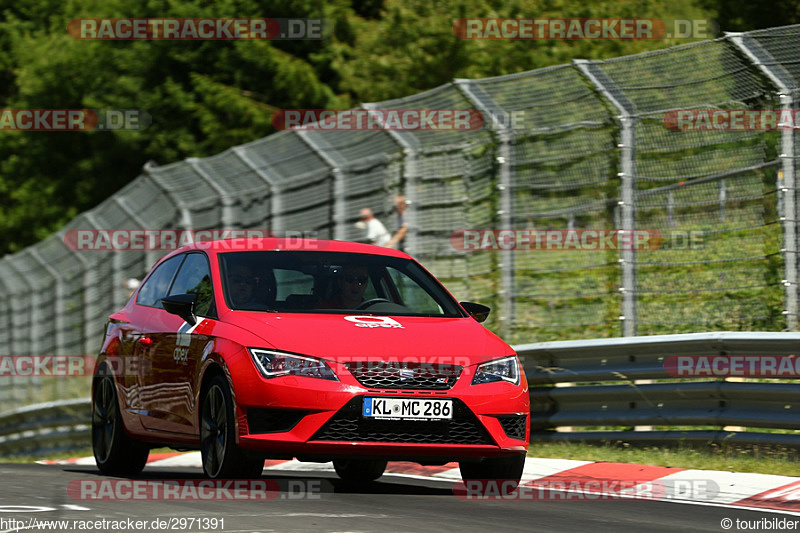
[
  {"x": 203, "y": 96},
  {"x": 207, "y": 96}
]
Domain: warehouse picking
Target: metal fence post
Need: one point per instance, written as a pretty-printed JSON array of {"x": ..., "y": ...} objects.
[
  {"x": 627, "y": 203},
  {"x": 782, "y": 80},
  {"x": 21, "y": 394},
  {"x": 227, "y": 201},
  {"x": 339, "y": 207},
  {"x": 186, "y": 213},
  {"x": 275, "y": 200},
  {"x": 91, "y": 310},
  {"x": 88, "y": 273},
  {"x": 151, "y": 256},
  {"x": 60, "y": 311},
  {"x": 504, "y": 137},
  {"x": 409, "y": 187},
  {"x": 6, "y": 332}
]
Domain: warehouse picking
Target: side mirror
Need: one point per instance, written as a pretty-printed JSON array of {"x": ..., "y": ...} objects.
[
  {"x": 181, "y": 305},
  {"x": 477, "y": 311}
]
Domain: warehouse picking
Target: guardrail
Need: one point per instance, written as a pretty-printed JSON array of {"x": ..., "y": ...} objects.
[
  {"x": 606, "y": 389},
  {"x": 45, "y": 428},
  {"x": 610, "y": 385}
]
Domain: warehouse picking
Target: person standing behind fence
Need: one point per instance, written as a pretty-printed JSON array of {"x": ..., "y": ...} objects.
[
  {"x": 400, "y": 206},
  {"x": 376, "y": 231},
  {"x": 130, "y": 286}
]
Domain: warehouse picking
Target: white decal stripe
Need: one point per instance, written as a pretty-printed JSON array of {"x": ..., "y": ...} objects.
[{"x": 185, "y": 331}]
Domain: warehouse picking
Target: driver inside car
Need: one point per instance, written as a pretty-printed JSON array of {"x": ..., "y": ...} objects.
[
  {"x": 348, "y": 292},
  {"x": 249, "y": 290}
]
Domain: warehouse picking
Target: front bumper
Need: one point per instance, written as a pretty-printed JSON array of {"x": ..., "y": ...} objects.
[{"x": 319, "y": 419}]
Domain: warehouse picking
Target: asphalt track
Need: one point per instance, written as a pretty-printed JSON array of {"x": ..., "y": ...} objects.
[{"x": 318, "y": 501}]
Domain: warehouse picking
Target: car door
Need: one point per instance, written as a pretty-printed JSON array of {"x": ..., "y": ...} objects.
[
  {"x": 178, "y": 349},
  {"x": 148, "y": 303},
  {"x": 128, "y": 342}
]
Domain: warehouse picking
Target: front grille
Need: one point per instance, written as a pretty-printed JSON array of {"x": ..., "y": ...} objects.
[
  {"x": 388, "y": 375},
  {"x": 272, "y": 420},
  {"x": 514, "y": 425},
  {"x": 349, "y": 425}
]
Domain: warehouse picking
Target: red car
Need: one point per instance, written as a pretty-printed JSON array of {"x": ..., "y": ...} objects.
[{"x": 308, "y": 349}]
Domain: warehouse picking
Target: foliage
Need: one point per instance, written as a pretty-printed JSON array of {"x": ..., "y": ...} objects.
[{"x": 207, "y": 96}]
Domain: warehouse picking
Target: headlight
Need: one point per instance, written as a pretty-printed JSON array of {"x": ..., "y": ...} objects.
[
  {"x": 505, "y": 369},
  {"x": 274, "y": 364}
]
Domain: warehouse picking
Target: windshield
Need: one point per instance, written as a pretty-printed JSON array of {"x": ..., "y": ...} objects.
[{"x": 332, "y": 282}]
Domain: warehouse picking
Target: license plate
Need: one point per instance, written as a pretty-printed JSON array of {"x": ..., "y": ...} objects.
[{"x": 408, "y": 408}]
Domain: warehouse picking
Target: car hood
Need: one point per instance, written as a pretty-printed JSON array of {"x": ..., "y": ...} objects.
[{"x": 367, "y": 337}]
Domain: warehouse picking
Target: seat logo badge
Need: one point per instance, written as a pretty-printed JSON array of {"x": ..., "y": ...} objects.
[{"x": 406, "y": 374}]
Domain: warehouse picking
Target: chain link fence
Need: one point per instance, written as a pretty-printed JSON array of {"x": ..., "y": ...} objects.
[{"x": 593, "y": 152}]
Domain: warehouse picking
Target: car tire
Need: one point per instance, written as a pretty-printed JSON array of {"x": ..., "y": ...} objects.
[
  {"x": 359, "y": 470},
  {"x": 505, "y": 468},
  {"x": 222, "y": 458},
  {"x": 115, "y": 453}
]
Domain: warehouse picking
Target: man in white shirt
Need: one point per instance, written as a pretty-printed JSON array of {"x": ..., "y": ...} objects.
[{"x": 376, "y": 231}]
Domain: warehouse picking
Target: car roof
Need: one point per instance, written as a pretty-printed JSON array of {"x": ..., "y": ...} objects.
[{"x": 287, "y": 244}]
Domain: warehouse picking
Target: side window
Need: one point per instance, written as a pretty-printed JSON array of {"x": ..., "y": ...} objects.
[
  {"x": 155, "y": 287},
  {"x": 194, "y": 277}
]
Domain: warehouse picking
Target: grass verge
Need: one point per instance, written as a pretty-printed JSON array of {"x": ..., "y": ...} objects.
[{"x": 759, "y": 459}]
